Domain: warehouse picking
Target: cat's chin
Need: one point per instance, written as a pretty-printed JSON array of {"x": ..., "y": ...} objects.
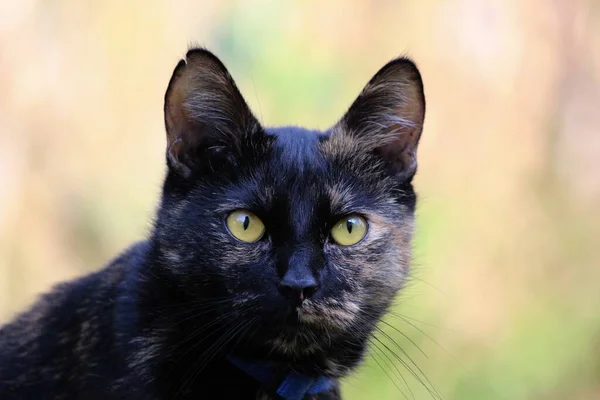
[
  {"x": 314, "y": 349},
  {"x": 319, "y": 336},
  {"x": 308, "y": 329}
]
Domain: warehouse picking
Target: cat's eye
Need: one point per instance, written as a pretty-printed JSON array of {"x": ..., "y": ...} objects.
[
  {"x": 349, "y": 230},
  {"x": 245, "y": 226}
]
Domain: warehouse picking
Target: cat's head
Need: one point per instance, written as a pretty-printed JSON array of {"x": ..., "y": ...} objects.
[{"x": 299, "y": 239}]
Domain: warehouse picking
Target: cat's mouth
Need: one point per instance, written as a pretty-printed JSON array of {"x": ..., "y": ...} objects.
[
  {"x": 329, "y": 314},
  {"x": 309, "y": 327}
]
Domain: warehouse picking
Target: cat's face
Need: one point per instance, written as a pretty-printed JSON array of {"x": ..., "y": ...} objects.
[{"x": 300, "y": 237}]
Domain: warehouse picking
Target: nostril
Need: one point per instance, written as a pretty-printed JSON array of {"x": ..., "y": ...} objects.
[
  {"x": 298, "y": 291},
  {"x": 307, "y": 292}
]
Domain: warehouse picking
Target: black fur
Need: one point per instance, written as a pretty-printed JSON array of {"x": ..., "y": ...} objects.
[{"x": 159, "y": 321}]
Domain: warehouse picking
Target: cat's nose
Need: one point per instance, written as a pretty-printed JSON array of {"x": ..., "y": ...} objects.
[{"x": 298, "y": 288}]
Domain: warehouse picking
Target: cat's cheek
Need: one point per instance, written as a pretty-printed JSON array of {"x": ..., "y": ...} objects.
[
  {"x": 343, "y": 271},
  {"x": 233, "y": 254},
  {"x": 375, "y": 269},
  {"x": 396, "y": 232}
]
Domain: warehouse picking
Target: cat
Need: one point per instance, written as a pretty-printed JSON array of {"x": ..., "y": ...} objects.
[{"x": 273, "y": 255}]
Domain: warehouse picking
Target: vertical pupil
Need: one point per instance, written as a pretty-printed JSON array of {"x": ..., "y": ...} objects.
[
  {"x": 246, "y": 222},
  {"x": 349, "y": 226}
]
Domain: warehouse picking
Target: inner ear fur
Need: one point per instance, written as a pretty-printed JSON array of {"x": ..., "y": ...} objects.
[
  {"x": 387, "y": 117},
  {"x": 205, "y": 112}
]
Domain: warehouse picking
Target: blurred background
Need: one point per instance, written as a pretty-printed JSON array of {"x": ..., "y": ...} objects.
[{"x": 505, "y": 297}]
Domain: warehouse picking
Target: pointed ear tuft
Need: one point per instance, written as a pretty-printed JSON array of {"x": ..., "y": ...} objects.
[
  {"x": 205, "y": 113},
  {"x": 387, "y": 117}
]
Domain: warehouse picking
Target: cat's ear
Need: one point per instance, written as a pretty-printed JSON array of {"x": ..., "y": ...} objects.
[
  {"x": 387, "y": 117},
  {"x": 205, "y": 114}
]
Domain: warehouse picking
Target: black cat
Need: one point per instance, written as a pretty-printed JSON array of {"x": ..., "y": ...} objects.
[{"x": 274, "y": 253}]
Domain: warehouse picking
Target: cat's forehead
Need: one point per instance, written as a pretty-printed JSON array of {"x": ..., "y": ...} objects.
[
  {"x": 297, "y": 148},
  {"x": 303, "y": 173},
  {"x": 294, "y": 135}
]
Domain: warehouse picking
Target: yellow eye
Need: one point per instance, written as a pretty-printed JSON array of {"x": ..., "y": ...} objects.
[
  {"x": 245, "y": 226},
  {"x": 349, "y": 230}
]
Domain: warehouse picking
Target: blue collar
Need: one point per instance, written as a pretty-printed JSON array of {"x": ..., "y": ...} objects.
[{"x": 291, "y": 386}]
